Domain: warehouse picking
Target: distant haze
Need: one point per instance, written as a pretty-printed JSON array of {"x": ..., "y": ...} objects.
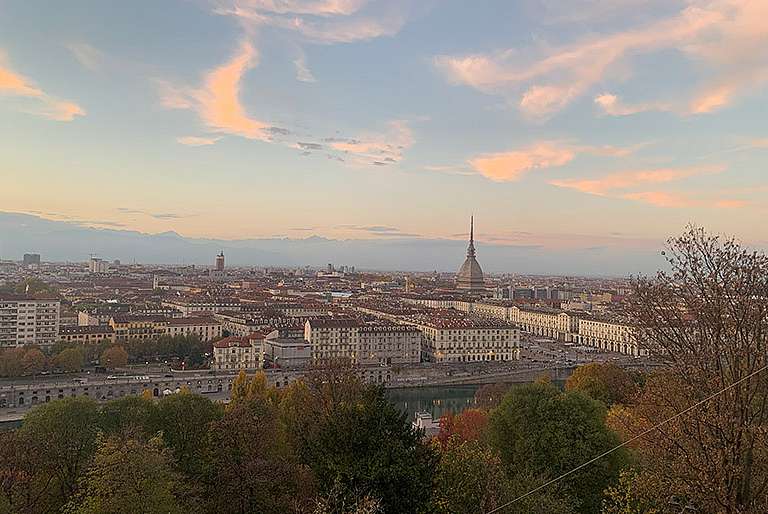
[{"x": 68, "y": 241}]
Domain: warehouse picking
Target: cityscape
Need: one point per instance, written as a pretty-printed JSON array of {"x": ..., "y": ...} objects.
[{"x": 383, "y": 257}]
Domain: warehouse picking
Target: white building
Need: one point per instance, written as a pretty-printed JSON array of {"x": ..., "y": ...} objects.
[
  {"x": 28, "y": 320},
  {"x": 96, "y": 265}
]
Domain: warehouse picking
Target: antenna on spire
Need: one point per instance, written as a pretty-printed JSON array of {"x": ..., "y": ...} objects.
[{"x": 472, "y": 227}]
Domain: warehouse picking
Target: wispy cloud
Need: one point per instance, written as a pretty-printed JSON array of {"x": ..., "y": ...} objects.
[
  {"x": 511, "y": 166},
  {"x": 197, "y": 141},
  {"x": 629, "y": 179},
  {"x": 725, "y": 37},
  {"x": 217, "y": 102},
  {"x": 303, "y": 73},
  {"x": 156, "y": 215},
  {"x": 621, "y": 184},
  {"x": 377, "y": 149},
  {"x": 88, "y": 56},
  {"x": 379, "y": 230},
  {"x": 323, "y": 22},
  {"x": 13, "y": 84}
]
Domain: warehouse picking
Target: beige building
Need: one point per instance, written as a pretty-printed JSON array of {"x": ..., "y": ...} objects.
[
  {"x": 467, "y": 339},
  {"x": 87, "y": 334},
  {"x": 551, "y": 323},
  {"x": 132, "y": 328},
  {"x": 333, "y": 338},
  {"x": 238, "y": 353},
  {"x": 608, "y": 336},
  {"x": 26, "y": 320},
  {"x": 205, "y": 327},
  {"x": 387, "y": 344}
]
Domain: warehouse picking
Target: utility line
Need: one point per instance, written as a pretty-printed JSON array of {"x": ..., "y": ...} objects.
[{"x": 625, "y": 443}]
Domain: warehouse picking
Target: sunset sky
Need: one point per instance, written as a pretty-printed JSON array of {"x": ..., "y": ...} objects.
[{"x": 556, "y": 122}]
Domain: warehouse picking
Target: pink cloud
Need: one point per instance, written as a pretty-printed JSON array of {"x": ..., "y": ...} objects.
[
  {"x": 217, "y": 102},
  {"x": 628, "y": 179},
  {"x": 511, "y": 166},
  {"x": 16, "y": 85},
  {"x": 727, "y": 37}
]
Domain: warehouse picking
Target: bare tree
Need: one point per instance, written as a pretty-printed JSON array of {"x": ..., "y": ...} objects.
[{"x": 707, "y": 316}]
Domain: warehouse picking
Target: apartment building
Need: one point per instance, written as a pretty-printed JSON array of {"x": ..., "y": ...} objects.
[
  {"x": 235, "y": 353},
  {"x": 205, "y": 327},
  {"x": 608, "y": 335},
  {"x": 87, "y": 334},
  {"x": 26, "y": 320}
]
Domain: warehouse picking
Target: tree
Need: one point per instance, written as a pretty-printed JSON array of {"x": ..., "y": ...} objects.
[
  {"x": 607, "y": 382},
  {"x": 70, "y": 359},
  {"x": 631, "y": 495},
  {"x": 184, "y": 420},
  {"x": 468, "y": 425},
  {"x": 130, "y": 416},
  {"x": 471, "y": 478},
  {"x": 358, "y": 444},
  {"x": 538, "y": 427},
  {"x": 12, "y": 362},
  {"x": 253, "y": 468},
  {"x": 25, "y": 487},
  {"x": 114, "y": 357},
  {"x": 129, "y": 476},
  {"x": 62, "y": 434},
  {"x": 707, "y": 317},
  {"x": 34, "y": 361},
  {"x": 34, "y": 286}
]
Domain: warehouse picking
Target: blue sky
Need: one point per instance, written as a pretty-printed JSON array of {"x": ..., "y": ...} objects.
[{"x": 558, "y": 123}]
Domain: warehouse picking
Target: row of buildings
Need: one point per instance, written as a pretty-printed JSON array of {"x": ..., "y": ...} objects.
[{"x": 581, "y": 328}]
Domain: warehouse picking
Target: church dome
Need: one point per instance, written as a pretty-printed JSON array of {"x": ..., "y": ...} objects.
[{"x": 470, "y": 275}]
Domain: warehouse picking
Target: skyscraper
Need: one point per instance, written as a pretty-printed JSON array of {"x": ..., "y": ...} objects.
[
  {"x": 220, "y": 261},
  {"x": 470, "y": 275}
]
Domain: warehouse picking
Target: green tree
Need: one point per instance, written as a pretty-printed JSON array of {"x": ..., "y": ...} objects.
[
  {"x": 130, "y": 416},
  {"x": 34, "y": 286},
  {"x": 253, "y": 468},
  {"x": 607, "y": 382},
  {"x": 471, "y": 478},
  {"x": 184, "y": 420},
  {"x": 129, "y": 476},
  {"x": 551, "y": 432},
  {"x": 62, "y": 434},
  {"x": 70, "y": 359},
  {"x": 114, "y": 357},
  {"x": 358, "y": 444}
]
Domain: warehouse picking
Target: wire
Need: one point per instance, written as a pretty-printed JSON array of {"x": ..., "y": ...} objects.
[{"x": 625, "y": 443}]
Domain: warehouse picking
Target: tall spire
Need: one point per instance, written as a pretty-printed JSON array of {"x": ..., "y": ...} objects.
[{"x": 471, "y": 247}]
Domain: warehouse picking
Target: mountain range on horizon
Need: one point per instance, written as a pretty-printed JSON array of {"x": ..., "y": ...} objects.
[{"x": 73, "y": 241}]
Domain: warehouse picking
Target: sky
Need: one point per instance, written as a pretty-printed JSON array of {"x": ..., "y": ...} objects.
[{"x": 558, "y": 123}]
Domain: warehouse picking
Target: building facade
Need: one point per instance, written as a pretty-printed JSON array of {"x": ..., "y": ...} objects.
[{"x": 27, "y": 320}]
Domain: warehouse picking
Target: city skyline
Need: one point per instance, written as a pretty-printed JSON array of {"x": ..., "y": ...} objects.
[{"x": 559, "y": 124}]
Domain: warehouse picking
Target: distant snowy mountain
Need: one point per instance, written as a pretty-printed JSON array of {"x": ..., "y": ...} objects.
[{"x": 69, "y": 241}]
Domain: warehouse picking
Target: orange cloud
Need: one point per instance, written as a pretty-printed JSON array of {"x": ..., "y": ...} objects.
[
  {"x": 14, "y": 84},
  {"x": 629, "y": 179},
  {"x": 217, "y": 102},
  {"x": 510, "y": 166},
  {"x": 731, "y": 204}
]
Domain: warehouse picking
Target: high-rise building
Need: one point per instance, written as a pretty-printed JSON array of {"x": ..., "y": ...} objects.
[
  {"x": 96, "y": 265},
  {"x": 28, "y": 320},
  {"x": 470, "y": 275},
  {"x": 220, "y": 261},
  {"x": 31, "y": 259}
]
